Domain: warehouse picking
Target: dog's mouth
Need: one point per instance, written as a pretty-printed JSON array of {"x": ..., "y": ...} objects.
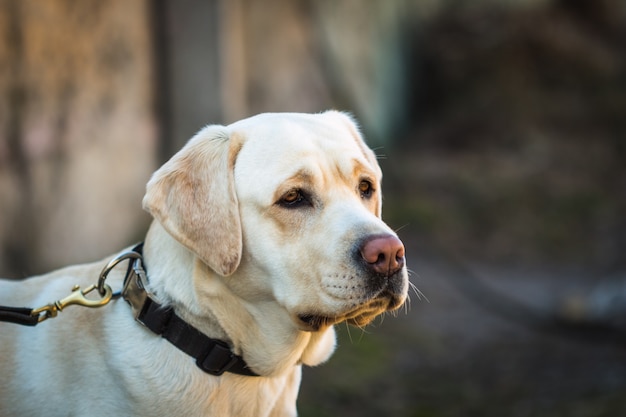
[
  {"x": 358, "y": 316},
  {"x": 314, "y": 323}
]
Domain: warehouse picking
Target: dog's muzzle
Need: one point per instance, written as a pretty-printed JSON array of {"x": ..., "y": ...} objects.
[{"x": 382, "y": 287}]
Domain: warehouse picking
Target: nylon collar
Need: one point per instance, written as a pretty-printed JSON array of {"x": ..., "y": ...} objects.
[{"x": 212, "y": 356}]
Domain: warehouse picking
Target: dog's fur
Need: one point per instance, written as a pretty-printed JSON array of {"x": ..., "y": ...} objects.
[{"x": 236, "y": 261}]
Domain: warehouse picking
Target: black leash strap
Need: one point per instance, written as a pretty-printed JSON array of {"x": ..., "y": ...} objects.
[{"x": 18, "y": 315}]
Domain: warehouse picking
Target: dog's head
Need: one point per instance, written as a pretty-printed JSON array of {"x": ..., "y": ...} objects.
[{"x": 286, "y": 208}]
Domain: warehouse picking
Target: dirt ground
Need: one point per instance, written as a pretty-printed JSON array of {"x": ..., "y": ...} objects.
[{"x": 478, "y": 343}]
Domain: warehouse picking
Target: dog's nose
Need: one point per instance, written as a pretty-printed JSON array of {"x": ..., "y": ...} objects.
[{"x": 384, "y": 254}]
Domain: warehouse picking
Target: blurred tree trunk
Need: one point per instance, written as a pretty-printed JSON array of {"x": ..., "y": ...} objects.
[{"x": 77, "y": 130}]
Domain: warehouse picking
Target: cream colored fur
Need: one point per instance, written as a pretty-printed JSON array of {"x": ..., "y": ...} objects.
[{"x": 232, "y": 261}]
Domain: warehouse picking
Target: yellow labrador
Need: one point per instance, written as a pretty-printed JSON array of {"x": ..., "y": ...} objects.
[{"x": 267, "y": 232}]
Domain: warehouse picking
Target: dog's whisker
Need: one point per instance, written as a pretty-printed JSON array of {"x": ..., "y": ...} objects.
[
  {"x": 381, "y": 155},
  {"x": 362, "y": 328},
  {"x": 401, "y": 227},
  {"x": 407, "y": 305},
  {"x": 420, "y": 295},
  {"x": 349, "y": 333}
]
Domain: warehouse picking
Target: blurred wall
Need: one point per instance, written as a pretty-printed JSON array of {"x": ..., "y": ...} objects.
[
  {"x": 230, "y": 59},
  {"x": 77, "y": 130}
]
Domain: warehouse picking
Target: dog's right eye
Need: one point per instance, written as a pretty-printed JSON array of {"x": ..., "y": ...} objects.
[{"x": 294, "y": 198}]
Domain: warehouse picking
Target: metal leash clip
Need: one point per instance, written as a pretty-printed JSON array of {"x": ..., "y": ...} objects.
[{"x": 77, "y": 297}]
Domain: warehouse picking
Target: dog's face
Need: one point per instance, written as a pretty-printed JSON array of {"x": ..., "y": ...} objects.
[
  {"x": 309, "y": 195},
  {"x": 287, "y": 208}
]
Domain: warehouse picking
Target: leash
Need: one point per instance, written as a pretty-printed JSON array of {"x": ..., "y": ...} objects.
[
  {"x": 33, "y": 316},
  {"x": 212, "y": 356}
]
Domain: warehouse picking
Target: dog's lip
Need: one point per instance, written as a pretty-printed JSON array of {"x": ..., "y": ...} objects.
[
  {"x": 315, "y": 322},
  {"x": 396, "y": 300},
  {"x": 360, "y": 315}
]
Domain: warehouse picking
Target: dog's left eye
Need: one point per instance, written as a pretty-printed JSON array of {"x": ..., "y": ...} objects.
[
  {"x": 294, "y": 198},
  {"x": 366, "y": 189}
]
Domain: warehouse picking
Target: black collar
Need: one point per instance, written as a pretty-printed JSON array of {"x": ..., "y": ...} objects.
[{"x": 211, "y": 355}]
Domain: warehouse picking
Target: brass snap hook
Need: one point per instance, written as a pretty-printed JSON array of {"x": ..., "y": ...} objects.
[{"x": 78, "y": 297}]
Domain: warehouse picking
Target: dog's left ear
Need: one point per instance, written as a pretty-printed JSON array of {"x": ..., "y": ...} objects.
[{"x": 193, "y": 197}]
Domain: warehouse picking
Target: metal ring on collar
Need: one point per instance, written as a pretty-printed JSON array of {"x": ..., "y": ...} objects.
[{"x": 112, "y": 264}]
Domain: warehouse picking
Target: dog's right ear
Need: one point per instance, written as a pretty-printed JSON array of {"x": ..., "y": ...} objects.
[{"x": 193, "y": 197}]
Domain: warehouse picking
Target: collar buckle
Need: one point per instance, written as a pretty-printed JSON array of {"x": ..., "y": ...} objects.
[
  {"x": 134, "y": 291},
  {"x": 218, "y": 360}
]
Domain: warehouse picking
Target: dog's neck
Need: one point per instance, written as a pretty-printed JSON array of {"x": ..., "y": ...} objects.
[{"x": 261, "y": 330}]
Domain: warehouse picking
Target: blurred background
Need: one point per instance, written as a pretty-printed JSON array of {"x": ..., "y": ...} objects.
[{"x": 500, "y": 126}]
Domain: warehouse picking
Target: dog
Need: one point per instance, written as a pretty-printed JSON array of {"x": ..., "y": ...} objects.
[{"x": 266, "y": 233}]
